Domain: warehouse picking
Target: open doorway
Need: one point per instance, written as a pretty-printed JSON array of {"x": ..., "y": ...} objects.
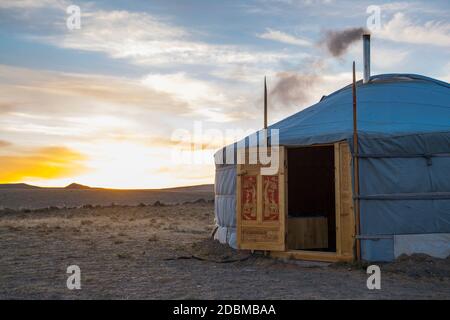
[{"x": 311, "y": 199}]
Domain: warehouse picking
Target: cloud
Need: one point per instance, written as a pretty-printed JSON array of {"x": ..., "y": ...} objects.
[
  {"x": 4, "y": 144},
  {"x": 401, "y": 29},
  {"x": 212, "y": 100},
  {"x": 184, "y": 87},
  {"x": 384, "y": 58},
  {"x": 145, "y": 39},
  {"x": 445, "y": 73},
  {"x": 43, "y": 163},
  {"x": 33, "y": 4},
  {"x": 115, "y": 90},
  {"x": 44, "y": 107},
  {"x": 389, "y": 59},
  {"x": 337, "y": 42},
  {"x": 423, "y": 8},
  {"x": 6, "y": 107},
  {"x": 54, "y": 93},
  {"x": 195, "y": 143},
  {"x": 283, "y": 37},
  {"x": 396, "y": 6},
  {"x": 41, "y": 107}
]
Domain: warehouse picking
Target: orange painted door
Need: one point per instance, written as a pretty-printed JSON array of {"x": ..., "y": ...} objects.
[{"x": 261, "y": 205}]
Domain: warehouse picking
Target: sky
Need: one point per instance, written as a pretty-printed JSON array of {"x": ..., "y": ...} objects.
[{"x": 144, "y": 92}]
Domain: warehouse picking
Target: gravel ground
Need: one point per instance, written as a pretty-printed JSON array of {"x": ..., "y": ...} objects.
[{"x": 164, "y": 252}]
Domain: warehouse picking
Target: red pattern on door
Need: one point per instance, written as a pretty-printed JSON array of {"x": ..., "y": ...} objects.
[
  {"x": 271, "y": 208},
  {"x": 249, "y": 198}
]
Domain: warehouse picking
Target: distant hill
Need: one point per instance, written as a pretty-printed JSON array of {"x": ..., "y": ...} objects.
[
  {"x": 67, "y": 197},
  {"x": 197, "y": 188},
  {"x": 76, "y": 186},
  {"x": 17, "y": 186}
]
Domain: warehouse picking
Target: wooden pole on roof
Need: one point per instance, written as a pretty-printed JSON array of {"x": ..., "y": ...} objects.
[
  {"x": 356, "y": 167},
  {"x": 266, "y": 135},
  {"x": 265, "y": 103}
]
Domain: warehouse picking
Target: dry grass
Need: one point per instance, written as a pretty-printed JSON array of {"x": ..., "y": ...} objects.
[{"x": 163, "y": 252}]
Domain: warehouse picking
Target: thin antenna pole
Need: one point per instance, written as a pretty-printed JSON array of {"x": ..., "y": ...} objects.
[
  {"x": 356, "y": 166},
  {"x": 265, "y": 103}
]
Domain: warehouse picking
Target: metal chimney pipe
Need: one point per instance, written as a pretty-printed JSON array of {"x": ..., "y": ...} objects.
[{"x": 366, "y": 52}]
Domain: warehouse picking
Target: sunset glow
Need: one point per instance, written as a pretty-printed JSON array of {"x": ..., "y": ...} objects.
[{"x": 99, "y": 105}]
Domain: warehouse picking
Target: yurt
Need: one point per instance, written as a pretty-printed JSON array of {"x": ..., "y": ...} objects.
[{"x": 317, "y": 206}]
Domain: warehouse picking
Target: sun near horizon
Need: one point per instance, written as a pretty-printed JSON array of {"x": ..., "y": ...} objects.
[
  {"x": 116, "y": 166},
  {"x": 100, "y": 102}
]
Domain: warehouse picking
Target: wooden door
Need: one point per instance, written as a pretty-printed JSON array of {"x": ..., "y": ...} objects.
[{"x": 261, "y": 206}]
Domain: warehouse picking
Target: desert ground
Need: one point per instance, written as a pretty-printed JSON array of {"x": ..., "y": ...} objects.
[
  {"x": 20, "y": 198},
  {"x": 164, "y": 251}
]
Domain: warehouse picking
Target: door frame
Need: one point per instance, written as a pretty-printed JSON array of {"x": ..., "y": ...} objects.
[{"x": 344, "y": 210}]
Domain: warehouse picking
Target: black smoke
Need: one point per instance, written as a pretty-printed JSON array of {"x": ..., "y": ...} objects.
[
  {"x": 337, "y": 42},
  {"x": 293, "y": 88}
]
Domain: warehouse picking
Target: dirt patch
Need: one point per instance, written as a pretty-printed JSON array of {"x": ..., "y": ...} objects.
[
  {"x": 213, "y": 251},
  {"x": 420, "y": 266}
]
